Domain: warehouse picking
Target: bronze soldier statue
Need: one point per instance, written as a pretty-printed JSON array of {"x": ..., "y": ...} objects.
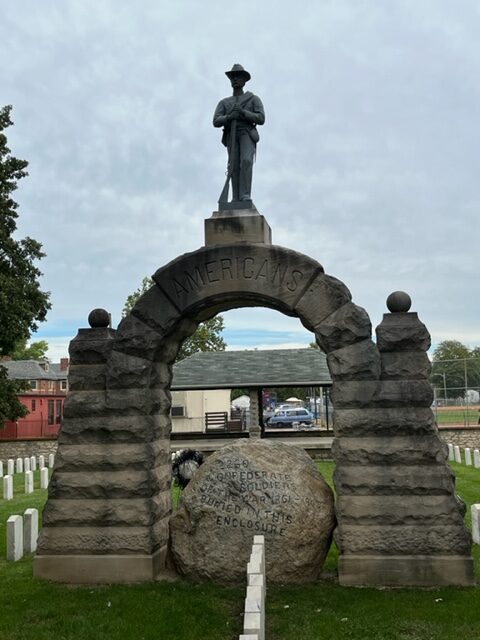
[{"x": 239, "y": 116}]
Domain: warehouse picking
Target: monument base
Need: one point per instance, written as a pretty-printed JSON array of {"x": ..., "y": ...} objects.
[
  {"x": 406, "y": 571},
  {"x": 101, "y": 569},
  {"x": 237, "y": 225}
]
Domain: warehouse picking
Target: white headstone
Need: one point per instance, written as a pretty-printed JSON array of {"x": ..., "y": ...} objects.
[
  {"x": 26, "y": 464},
  {"x": 51, "y": 460},
  {"x": 476, "y": 458},
  {"x": 451, "y": 454},
  {"x": 1, "y": 469},
  {"x": 252, "y": 624},
  {"x": 29, "y": 482},
  {"x": 14, "y": 538},
  {"x": 7, "y": 487},
  {"x": 44, "y": 478},
  {"x": 41, "y": 462},
  {"x": 468, "y": 456},
  {"x": 19, "y": 466},
  {"x": 10, "y": 467},
  {"x": 30, "y": 530},
  {"x": 33, "y": 463},
  {"x": 248, "y": 636},
  {"x": 476, "y": 523},
  {"x": 458, "y": 455}
]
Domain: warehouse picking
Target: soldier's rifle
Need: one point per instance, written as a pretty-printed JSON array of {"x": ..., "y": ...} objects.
[{"x": 231, "y": 162}]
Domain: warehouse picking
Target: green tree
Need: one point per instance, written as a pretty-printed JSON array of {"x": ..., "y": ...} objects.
[
  {"x": 35, "y": 351},
  {"x": 22, "y": 303},
  {"x": 454, "y": 367},
  {"x": 207, "y": 336}
]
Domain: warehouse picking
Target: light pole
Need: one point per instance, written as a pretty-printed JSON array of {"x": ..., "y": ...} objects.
[{"x": 442, "y": 375}]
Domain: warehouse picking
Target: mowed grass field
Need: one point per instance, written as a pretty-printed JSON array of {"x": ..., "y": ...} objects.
[{"x": 185, "y": 611}]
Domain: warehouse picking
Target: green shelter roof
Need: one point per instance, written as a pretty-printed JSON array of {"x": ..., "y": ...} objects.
[{"x": 254, "y": 369}]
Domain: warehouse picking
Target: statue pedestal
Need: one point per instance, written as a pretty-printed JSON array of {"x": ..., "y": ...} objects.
[{"x": 237, "y": 225}]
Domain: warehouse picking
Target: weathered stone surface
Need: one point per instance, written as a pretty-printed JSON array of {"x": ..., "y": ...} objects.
[
  {"x": 139, "y": 401},
  {"x": 324, "y": 295},
  {"x": 390, "y": 450},
  {"x": 127, "y": 483},
  {"x": 242, "y": 271},
  {"x": 387, "y": 393},
  {"x": 399, "y": 510},
  {"x": 403, "y": 539},
  {"x": 384, "y": 421},
  {"x": 79, "y": 404},
  {"x": 91, "y": 346},
  {"x": 402, "y": 332},
  {"x": 390, "y": 480},
  {"x": 80, "y": 540},
  {"x": 126, "y": 371},
  {"x": 86, "y": 377},
  {"x": 115, "y": 428},
  {"x": 137, "y": 338},
  {"x": 156, "y": 310},
  {"x": 237, "y": 226},
  {"x": 407, "y": 365},
  {"x": 406, "y": 570},
  {"x": 345, "y": 326},
  {"x": 107, "y": 512},
  {"x": 84, "y": 457},
  {"x": 249, "y": 488},
  {"x": 360, "y": 361}
]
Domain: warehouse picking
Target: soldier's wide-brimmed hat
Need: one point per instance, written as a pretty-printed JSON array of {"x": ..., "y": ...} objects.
[{"x": 238, "y": 70}]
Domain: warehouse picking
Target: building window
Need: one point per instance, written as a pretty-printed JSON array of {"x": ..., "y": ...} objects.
[
  {"x": 34, "y": 405},
  {"x": 51, "y": 410},
  {"x": 63, "y": 385},
  {"x": 33, "y": 385},
  {"x": 178, "y": 412},
  {"x": 58, "y": 418}
]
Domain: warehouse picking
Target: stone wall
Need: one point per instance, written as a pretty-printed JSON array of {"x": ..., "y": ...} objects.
[
  {"x": 26, "y": 448},
  {"x": 463, "y": 436}
]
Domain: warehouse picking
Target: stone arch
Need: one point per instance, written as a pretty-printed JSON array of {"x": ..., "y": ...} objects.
[{"x": 109, "y": 498}]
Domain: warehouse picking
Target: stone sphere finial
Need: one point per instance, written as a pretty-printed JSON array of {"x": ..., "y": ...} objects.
[
  {"x": 98, "y": 318},
  {"x": 399, "y": 302}
]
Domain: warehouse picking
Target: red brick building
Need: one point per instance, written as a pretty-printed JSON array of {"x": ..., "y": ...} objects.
[{"x": 44, "y": 398}]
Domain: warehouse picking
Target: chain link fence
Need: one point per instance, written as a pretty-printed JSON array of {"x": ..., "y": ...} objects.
[{"x": 456, "y": 387}]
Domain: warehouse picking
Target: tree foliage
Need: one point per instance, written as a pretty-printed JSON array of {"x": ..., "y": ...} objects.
[
  {"x": 455, "y": 367},
  {"x": 35, "y": 351},
  {"x": 207, "y": 336},
  {"x": 22, "y": 303}
]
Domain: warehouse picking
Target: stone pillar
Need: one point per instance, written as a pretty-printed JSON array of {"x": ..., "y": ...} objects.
[
  {"x": 106, "y": 517},
  {"x": 254, "y": 430},
  {"x": 399, "y": 520}
]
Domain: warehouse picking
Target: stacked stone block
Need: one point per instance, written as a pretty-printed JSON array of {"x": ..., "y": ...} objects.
[
  {"x": 106, "y": 518},
  {"x": 399, "y": 520}
]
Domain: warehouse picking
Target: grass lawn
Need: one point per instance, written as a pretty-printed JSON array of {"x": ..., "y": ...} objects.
[{"x": 184, "y": 611}]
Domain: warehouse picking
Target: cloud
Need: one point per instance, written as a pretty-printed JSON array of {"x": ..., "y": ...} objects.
[{"x": 367, "y": 161}]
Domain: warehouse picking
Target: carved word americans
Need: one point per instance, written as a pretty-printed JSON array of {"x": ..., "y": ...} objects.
[{"x": 239, "y": 269}]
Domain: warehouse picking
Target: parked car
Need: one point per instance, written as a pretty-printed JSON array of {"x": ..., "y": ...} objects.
[{"x": 286, "y": 418}]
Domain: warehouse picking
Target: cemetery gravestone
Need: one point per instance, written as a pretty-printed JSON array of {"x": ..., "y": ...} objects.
[
  {"x": 30, "y": 530},
  {"x": 250, "y": 488},
  {"x": 14, "y": 538},
  {"x": 7, "y": 487}
]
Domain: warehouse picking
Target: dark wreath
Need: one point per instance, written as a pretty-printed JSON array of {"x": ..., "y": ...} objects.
[{"x": 184, "y": 465}]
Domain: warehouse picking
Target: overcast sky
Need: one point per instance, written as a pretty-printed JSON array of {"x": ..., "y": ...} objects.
[{"x": 368, "y": 161}]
